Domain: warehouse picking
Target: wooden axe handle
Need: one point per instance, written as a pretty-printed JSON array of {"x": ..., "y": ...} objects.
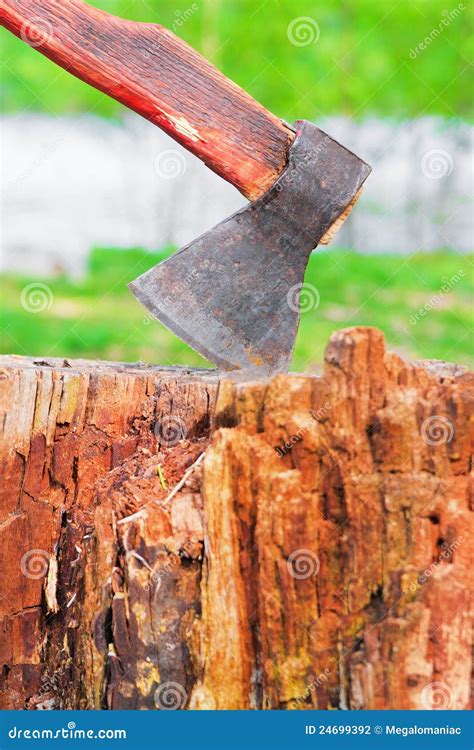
[{"x": 150, "y": 70}]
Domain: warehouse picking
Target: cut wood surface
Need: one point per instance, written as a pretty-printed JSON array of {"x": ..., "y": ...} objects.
[{"x": 172, "y": 539}]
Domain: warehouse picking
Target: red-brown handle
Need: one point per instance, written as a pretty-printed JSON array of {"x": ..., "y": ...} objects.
[{"x": 151, "y": 71}]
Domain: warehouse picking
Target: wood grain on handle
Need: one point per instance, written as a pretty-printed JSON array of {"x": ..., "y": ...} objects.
[{"x": 150, "y": 70}]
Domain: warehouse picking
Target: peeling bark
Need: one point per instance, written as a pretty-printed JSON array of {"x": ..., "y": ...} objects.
[{"x": 319, "y": 554}]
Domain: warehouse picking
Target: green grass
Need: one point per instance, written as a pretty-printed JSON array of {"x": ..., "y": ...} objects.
[
  {"x": 97, "y": 317},
  {"x": 359, "y": 65}
]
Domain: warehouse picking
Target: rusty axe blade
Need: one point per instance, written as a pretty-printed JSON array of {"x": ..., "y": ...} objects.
[{"x": 233, "y": 293}]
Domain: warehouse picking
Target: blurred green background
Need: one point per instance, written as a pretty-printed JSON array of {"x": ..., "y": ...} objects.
[
  {"x": 98, "y": 317},
  {"x": 360, "y": 67}
]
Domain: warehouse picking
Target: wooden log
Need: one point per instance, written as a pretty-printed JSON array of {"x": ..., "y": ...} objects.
[
  {"x": 66, "y": 427},
  {"x": 316, "y": 551}
]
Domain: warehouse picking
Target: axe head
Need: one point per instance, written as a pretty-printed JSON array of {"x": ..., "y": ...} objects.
[{"x": 233, "y": 293}]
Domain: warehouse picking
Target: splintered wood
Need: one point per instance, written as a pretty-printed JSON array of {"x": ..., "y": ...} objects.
[{"x": 172, "y": 540}]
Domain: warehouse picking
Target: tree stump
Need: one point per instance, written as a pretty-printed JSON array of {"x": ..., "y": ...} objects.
[{"x": 175, "y": 539}]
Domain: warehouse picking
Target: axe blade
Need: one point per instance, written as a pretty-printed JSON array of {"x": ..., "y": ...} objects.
[{"x": 232, "y": 294}]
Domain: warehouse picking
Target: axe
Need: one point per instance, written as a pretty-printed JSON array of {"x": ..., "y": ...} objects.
[{"x": 233, "y": 293}]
